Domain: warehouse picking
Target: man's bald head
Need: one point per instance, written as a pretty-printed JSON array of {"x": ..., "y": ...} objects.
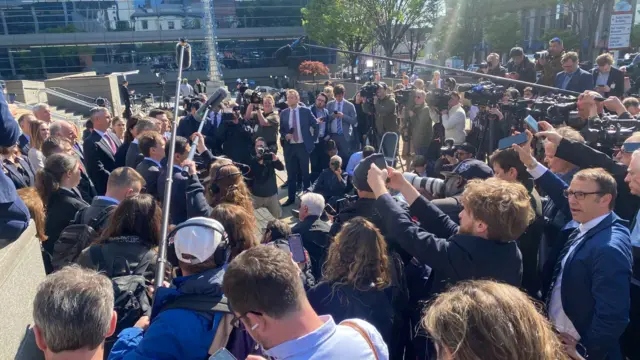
[{"x": 63, "y": 129}]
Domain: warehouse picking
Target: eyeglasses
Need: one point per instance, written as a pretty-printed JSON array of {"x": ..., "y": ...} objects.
[
  {"x": 579, "y": 195},
  {"x": 235, "y": 321}
]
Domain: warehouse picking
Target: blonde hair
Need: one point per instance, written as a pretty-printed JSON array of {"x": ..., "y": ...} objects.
[
  {"x": 505, "y": 207},
  {"x": 358, "y": 257},
  {"x": 328, "y": 90},
  {"x": 487, "y": 320}
]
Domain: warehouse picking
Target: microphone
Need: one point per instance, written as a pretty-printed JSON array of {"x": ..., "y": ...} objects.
[
  {"x": 284, "y": 52},
  {"x": 213, "y": 102},
  {"x": 186, "y": 60}
]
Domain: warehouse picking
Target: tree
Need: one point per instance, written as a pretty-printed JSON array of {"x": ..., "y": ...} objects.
[
  {"x": 391, "y": 19},
  {"x": 313, "y": 68},
  {"x": 589, "y": 12},
  {"x": 345, "y": 21},
  {"x": 570, "y": 39},
  {"x": 635, "y": 37},
  {"x": 503, "y": 32}
]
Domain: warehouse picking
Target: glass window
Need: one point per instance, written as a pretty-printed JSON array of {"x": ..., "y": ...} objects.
[
  {"x": 145, "y": 24},
  {"x": 171, "y": 25}
]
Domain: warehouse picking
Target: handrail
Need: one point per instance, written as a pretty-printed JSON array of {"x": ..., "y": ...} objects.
[
  {"x": 63, "y": 96},
  {"x": 56, "y": 88}
]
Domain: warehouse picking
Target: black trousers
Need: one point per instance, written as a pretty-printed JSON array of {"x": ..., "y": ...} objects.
[
  {"x": 319, "y": 160},
  {"x": 297, "y": 164}
]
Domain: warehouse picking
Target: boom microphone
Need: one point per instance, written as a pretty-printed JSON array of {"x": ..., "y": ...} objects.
[
  {"x": 213, "y": 102},
  {"x": 186, "y": 60},
  {"x": 284, "y": 52}
]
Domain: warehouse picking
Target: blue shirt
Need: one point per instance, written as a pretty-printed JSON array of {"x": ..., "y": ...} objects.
[
  {"x": 567, "y": 79},
  {"x": 109, "y": 199},
  {"x": 354, "y": 160},
  {"x": 333, "y": 342},
  {"x": 635, "y": 232},
  {"x": 155, "y": 162}
]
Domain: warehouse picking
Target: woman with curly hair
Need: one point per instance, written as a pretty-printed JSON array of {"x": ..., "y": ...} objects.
[
  {"x": 225, "y": 185},
  {"x": 356, "y": 278},
  {"x": 491, "y": 321},
  {"x": 239, "y": 225}
]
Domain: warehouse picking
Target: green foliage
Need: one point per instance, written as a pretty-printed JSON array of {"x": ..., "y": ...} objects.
[
  {"x": 570, "y": 39},
  {"x": 338, "y": 23},
  {"x": 503, "y": 32},
  {"x": 635, "y": 37}
]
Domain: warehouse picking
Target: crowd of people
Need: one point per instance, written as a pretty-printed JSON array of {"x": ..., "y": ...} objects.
[{"x": 470, "y": 254}]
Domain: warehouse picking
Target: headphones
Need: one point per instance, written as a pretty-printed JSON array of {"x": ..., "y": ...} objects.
[
  {"x": 214, "y": 187},
  {"x": 220, "y": 255}
]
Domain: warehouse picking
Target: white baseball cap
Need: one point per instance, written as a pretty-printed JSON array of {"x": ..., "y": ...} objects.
[{"x": 199, "y": 238}]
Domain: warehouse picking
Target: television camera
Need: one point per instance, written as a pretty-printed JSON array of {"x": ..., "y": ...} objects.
[
  {"x": 369, "y": 91},
  {"x": 438, "y": 99}
]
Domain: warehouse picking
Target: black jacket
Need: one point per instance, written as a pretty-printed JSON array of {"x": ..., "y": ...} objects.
[
  {"x": 121, "y": 154},
  {"x": 96, "y": 210},
  {"x": 86, "y": 187},
  {"x": 119, "y": 252},
  {"x": 99, "y": 159},
  {"x": 61, "y": 210},
  {"x": 21, "y": 174},
  {"x": 236, "y": 141},
  {"x": 328, "y": 185},
  {"x": 263, "y": 177},
  {"x": 497, "y": 71},
  {"x": 178, "y": 206},
  {"x": 526, "y": 70},
  {"x": 316, "y": 239},
  {"x": 23, "y": 144},
  {"x": 452, "y": 257},
  {"x": 615, "y": 81},
  {"x": 585, "y": 157},
  {"x": 150, "y": 171},
  {"x": 529, "y": 244},
  {"x": 134, "y": 156}
]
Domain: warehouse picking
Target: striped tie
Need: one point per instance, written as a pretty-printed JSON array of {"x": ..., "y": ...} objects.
[{"x": 575, "y": 236}]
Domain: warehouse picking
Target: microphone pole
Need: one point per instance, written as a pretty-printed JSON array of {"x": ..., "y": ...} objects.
[
  {"x": 162, "y": 251},
  {"x": 194, "y": 144},
  {"x": 498, "y": 79}
]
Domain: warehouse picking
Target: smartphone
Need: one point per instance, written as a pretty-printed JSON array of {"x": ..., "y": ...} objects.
[
  {"x": 222, "y": 354},
  {"x": 296, "y": 248},
  {"x": 506, "y": 143},
  {"x": 533, "y": 124}
]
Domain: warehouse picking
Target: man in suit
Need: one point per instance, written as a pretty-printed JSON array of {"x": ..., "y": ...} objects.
[
  {"x": 65, "y": 130},
  {"x": 24, "y": 140},
  {"x": 152, "y": 146},
  {"x": 299, "y": 127},
  {"x": 344, "y": 121},
  {"x": 178, "y": 206},
  {"x": 57, "y": 145},
  {"x": 587, "y": 293},
  {"x": 125, "y": 96},
  {"x": 318, "y": 156},
  {"x": 607, "y": 80},
  {"x": 134, "y": 155},
  {"x": 314, "y": 231},
  {"x": 42, "y": 112},
  {"x": 124, "y": 182},
  {"x": 332, "y": 182},
  {"x": 573, "y": 78},
  {"x": 100, "y": 149}
]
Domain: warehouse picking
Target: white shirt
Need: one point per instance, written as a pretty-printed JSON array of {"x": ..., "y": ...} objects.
[
  {"x": 558, "y": 317},
  {"x": 297, "y": 124},
  {"x": 454, "y": 123}
]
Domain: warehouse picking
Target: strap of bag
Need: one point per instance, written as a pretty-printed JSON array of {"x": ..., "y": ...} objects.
[
  {"x": 363, "y": 333},
  {"x": 205, "y": 305},
  {"x": 97, "y": 257},
  {"x": 101, "y": 217}
]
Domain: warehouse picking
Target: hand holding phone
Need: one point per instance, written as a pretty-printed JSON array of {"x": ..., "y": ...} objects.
[
  {"x": 296, "y": 248},
  {"x": 505, "y": 143},
  {"x": 533, "y": 124}
]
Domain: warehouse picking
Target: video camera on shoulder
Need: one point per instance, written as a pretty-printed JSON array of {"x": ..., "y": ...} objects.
[
  {"x": 449, "y": 148},
  {"x": 264, "y": 153},
  {"x": 405, "y": 97},
  {"x": 252, "y": 97},
  {"x": 541, "y": 55},
  {"x": 483, "y": 94},
  {"x": 369, "y": 90},
  {"x": 438, "y": 99}
]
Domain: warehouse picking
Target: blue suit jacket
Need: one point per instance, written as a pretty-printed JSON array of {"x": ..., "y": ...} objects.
[
  {"x": 325, "y": 115},
  {"x": 580, "y": 82},
  {"x": 14, "y": 215},
  {"x": 349, "y": 119},
  {"x": 307, "y": 122},
  {"x": 595, "y": 288}
]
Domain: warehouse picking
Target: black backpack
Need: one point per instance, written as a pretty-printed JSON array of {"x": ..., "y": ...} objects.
[
  {"x": 76, "y": 237},
  {"x": 131, "y": 300}
]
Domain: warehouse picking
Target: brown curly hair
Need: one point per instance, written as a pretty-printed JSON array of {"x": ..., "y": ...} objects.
[
  {"x": 32, "y": 200},
  {"x": 358, "y": 257},
  {"x": 232, "y": 188},
  {"x": 240, "y": 226},
  {"x": 487, "y": 320}
]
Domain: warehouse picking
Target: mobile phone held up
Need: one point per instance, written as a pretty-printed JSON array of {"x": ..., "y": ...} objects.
[
  {"x": 222, "y": 354},
  {"x": 506, "y": 143},
  {"x": 296, "y": 248},
  {"x": 533, "y": 124}
]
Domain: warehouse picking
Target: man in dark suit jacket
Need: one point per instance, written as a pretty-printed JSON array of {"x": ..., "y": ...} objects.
[
  {"x": 483, "y": 246},
  {"x": 178, "y": 206},
  {"x": 587, "y": 294},
  {"x": 125, "y": 96},
  {"x": 318, "y": 156},
  {"x": 314, "y": 231},
  {"x": 100, "y": 149},
  {"x": 332, "y": 182},
  {"x": 134, "y": 155},
  {"x": 152, "y": 145},
  {"x": 299, "y": 127},
  {"x": 573, "y": 77},
  {"x": 24, "y": 140},
  {"x": 607, "y": 80},
  {"x": 343, "y": 121}
]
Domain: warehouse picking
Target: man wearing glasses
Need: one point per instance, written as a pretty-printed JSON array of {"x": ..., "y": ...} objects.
[
  {"x": 586, "y": 281},
  {"x": 267, "y": 299}
]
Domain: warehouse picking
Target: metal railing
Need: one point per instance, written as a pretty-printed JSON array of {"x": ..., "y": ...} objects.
[
  {"x": 78, "y": 95},
  {"x": 67, "y": 97}
]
